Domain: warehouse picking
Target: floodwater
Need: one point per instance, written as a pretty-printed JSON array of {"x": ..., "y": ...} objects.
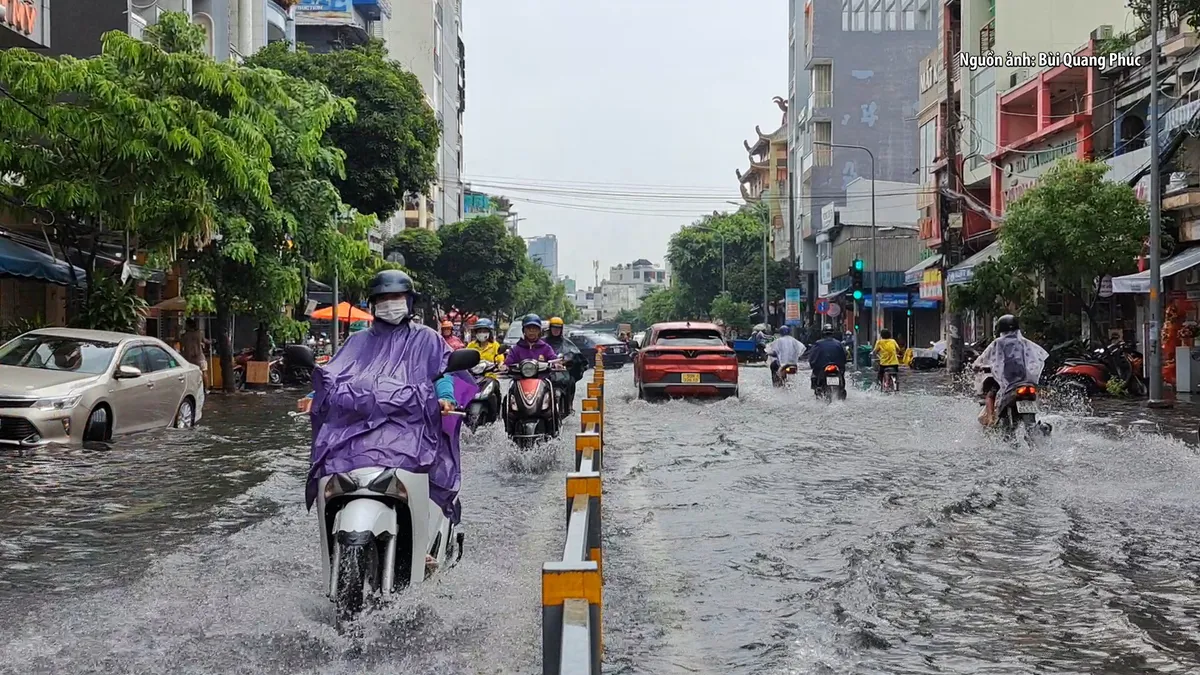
[{"x": 769, "y": 534}]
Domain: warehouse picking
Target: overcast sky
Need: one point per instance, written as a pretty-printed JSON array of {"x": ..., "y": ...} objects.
[{"x": 611, "y": 124}]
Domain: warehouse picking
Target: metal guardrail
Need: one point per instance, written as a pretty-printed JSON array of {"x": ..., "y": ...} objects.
[{"x": 572, "y": 641}]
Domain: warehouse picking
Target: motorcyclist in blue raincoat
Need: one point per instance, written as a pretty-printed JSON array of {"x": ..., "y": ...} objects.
[{"x": 381, "y": 400}]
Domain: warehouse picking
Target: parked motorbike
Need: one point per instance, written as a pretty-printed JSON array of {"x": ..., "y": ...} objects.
[
  {"x": 485, "y": 409},
  {"x": 783, "y": 373},
  {"x": 832, "y": 385},
  {"x": 379, "y": 526},
  {"x": 1016, "y": 409},
  {"x": 239, "y": 367},
  {"x": 531, "y": 410},
  {"x": 1090, "y": 375},
  {"x": 294, "y": 365}
]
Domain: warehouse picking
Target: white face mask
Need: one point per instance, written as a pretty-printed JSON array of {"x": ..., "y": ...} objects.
[
  {"x": 391, "y": 311},
  {"x": 482, "y": 336}
]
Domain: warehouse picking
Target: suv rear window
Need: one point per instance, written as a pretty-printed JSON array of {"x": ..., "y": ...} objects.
[{"x": 685, "y": 337}]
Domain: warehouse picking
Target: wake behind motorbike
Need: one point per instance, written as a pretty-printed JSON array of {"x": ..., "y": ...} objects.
[
  {"x": 485, "y": 408},
  {"x": 1017, "y": 408},
  {"x": 531, "y": 411},
  {"x": 381, "y": 532},
  {"x": 831, "y": 383},
  {"x": 783, "y": 373}
]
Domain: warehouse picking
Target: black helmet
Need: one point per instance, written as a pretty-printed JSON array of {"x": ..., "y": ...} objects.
[
  {"x": 1007, "y": 324},
  {"x": 390, "y": 281},
  {"x": 827, "y": 329}
]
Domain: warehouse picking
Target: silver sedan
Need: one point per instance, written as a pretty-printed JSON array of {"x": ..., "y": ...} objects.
[{"x": 68, "y": 386}]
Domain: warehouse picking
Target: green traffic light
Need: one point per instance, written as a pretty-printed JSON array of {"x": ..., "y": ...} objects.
[
  {"x": 909, "y": 312},
  {"x": 858, "y": 265},
  {"x": 858, "y": 295}
]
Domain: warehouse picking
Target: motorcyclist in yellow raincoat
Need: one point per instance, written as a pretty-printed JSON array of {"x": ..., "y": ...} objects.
[{"x": 483, "y": 340}]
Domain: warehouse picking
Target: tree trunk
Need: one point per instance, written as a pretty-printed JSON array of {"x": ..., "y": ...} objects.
[
  {"x": 224, "y": 344},
  {"x": 262, "y": 342}
]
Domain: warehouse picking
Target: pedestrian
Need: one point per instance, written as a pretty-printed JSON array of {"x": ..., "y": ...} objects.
[{"x": 192, "y": 346}]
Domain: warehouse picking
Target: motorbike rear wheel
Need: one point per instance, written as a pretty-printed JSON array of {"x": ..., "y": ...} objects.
[{"x": 358, "y": 580}]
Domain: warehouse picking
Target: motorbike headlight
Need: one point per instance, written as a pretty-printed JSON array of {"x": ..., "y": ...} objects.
[
  {"x": 57, "y": 403},
  {"x": 529, "y": 369}
]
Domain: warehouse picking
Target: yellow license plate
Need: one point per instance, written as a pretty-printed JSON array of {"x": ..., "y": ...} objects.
[{"x": 691, "y": 378}]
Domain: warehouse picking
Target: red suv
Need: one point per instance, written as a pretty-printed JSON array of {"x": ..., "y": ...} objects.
[{"x": 685, "y": 358}]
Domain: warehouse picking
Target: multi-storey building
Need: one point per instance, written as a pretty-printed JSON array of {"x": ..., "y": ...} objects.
[
  {"x": 1011, "y": 119},
  {"x": 425, "y": 36},
  {"x": 853, "y": 79},
  {"x": 544, "y": 251},
  {"x": 766, "y": 180}
]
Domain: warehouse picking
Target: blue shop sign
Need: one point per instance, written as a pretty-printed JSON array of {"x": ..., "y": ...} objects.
[{"x": 888, "y": 300}]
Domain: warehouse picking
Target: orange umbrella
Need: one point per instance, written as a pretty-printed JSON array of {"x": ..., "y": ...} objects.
[{"x": 346, "y": 313}]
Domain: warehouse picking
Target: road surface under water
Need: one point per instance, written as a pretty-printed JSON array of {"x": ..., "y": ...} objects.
[{"x": 770, "y": 534}]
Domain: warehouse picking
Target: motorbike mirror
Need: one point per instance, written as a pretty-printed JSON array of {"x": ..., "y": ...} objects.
[{"x": 462, "y": 359}]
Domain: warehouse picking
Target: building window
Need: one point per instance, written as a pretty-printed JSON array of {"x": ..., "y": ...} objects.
[
  {"x": 437, "y": 12},
  {"x": 889, "y": 15},
  {"x": 983, "y": 112},
  {"x": 846, "y": 16},
  {"x": 860, "y": 15},
  {"x": 822, "y": 154},
  {"x": 876, "y": 16},
  {"x": 908, "y": 15},
  {"x": 928, "y": 151}
]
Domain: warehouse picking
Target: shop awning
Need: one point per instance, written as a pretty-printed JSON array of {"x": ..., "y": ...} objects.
[
  {"x": 913, "y": 276},
  {"x": 19, "y": 260},
  {"x": 964, "y": 271},
  {"x": 1140, "y": 282}
]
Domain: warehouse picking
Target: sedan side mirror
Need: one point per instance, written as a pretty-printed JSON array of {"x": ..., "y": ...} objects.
[{"x": 127, "y": 373}]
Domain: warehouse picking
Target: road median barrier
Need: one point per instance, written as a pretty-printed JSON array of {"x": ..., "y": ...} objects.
[{"x": 572, "y": 588}]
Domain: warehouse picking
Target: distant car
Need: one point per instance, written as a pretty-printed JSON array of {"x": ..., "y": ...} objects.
[
  {"x": 616, "y": 353},
  {"x": 68, "y": 386},
  {"x": 685, "y": 359}
]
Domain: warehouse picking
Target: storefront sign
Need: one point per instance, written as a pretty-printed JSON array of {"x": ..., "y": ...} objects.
[
  {"x": 828, "y": 216},
  {"x": 931, "y": 285},
  {"x": 888, "y": 300},
  {"x": 1023, "y": 170},
  {"x": 917, "y": 302},
  {"x": 791, "y": 300},
  {"x": 827, "y": 270},
  {"x": 27, "y": 18}
]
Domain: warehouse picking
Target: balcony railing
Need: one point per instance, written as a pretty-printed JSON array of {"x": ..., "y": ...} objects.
[
  {"x": 987, "y": 37},
  {"x": 820, "y": 99}
]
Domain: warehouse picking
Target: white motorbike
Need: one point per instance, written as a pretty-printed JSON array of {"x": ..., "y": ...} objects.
[{"x": 380, "y": 532}]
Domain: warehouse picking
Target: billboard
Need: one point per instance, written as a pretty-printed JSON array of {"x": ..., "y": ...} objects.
[
  {"x": 325, "y": 13},
  {"x": 791, "y": 303}
]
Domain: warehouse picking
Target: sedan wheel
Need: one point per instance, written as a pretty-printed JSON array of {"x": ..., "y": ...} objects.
[
  {"x": 185, "y": 418},
  {"x": 97, "y": 428}
]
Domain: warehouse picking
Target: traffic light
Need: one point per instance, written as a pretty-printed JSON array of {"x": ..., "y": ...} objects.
[
  {"x": 856, "y": 279},
  {"x": 908, "y": 312}
]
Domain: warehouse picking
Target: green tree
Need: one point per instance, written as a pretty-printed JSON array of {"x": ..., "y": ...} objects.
[
  {"x": 481, "y": 264},
  {"x": 1074, "y": 227},
  {"x": 391, "y": 145},
  {"x": 695, "y": 255},
  {"x": 1170, "y": 13},
  {"x": 735, "y": 315},
  {"x": 658, "y": 306},
  {"x": 421, "y": 249},
  {"x": 537, "y": 293},
  {"x": 138, "y": 140}
]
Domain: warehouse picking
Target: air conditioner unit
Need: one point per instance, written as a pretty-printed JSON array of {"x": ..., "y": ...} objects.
[
  {"x": 1103, "y": 33},
  {"x": 1018, "y": 77}
]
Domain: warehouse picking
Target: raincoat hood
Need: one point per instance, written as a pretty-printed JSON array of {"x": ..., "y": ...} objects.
[
  {"x": 1014, "y": 360},
  {"x": 375, "y": 404}
]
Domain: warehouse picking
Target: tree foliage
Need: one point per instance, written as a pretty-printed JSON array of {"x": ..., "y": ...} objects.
[
  {"x": 391, "y": 144},
  {"x": 695, "y": 255},
  {"x": 1170, "y": 12},
  {"x": 660, "y": 305},
  {"x": 732, "y": 313},
  {"x": 541, "y": 295},
  {"x": 1073, "y": 228},
  {"x": 421, "y": 249},
  {"x": 480, "y": 264}
]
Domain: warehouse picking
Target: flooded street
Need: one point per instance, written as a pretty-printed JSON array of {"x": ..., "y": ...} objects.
[{"x": 770, "y": 534}]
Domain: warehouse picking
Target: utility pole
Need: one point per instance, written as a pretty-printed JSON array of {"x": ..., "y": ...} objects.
[
  {"x": 954, "y": 336},
  {"x": 792, "y": 280},
  {"x": 1155, "y": 374}
]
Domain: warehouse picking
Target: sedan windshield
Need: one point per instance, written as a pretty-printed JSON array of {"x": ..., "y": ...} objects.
[
  {"x": 53, "y": 352},
  {"x": 684, "y": 337}
]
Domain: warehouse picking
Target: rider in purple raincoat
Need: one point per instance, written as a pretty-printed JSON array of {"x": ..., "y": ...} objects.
[
  {"x": 531, "y": 346},
  {"x": 381, "y": 400}
]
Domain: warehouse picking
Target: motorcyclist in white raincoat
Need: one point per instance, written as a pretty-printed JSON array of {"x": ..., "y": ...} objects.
[{"x": 1013, "y": 360}]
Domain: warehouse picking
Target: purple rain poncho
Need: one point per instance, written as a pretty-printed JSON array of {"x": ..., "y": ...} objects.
[
  {"x": 375, "y": 404},
  {"x": 523, "y": 351}
]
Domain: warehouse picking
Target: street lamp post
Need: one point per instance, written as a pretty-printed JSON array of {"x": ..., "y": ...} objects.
[{"x": 876, "y": 308}]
